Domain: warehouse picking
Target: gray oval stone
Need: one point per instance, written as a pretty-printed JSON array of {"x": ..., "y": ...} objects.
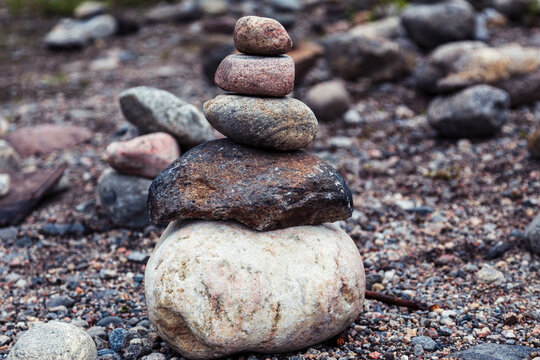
[
  {"x": 270, "y": 123},
  {"x": 215, "y": 288},
  {"x": 476, "y": 111},
  {"x": 54, "y": 341},
  {"x": 153, "y": 110}
]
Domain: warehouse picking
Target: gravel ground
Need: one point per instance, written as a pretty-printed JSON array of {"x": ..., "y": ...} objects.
[{"x": 435, "y": 220}]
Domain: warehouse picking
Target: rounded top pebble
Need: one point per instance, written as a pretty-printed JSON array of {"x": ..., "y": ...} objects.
[{"x": 261, "y": 36}]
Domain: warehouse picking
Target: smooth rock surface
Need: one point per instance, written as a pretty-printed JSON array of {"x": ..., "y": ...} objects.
[
  {"x": 47, "y": 138},
  {"x": 531, "y": 237},
  {"x": 257, "y": 35},
  {"x": 430, "y": 25},
  {"x": 455, "y": 66},
  {"x": 534, "y": 144},
  {"x": 256, "y": 75},
  {"x": 476, "y": 111},
  {"x": 10, "y": 160},
  {"x": 124, "y": 198},
  {"x": 491, "y": 351},
  {"x": 270, "y": 123},
  {"x": 216, "y": 288},
  {"x": 222, "y": 180},
  {"x": 153, "y": 110},
  {"x": 329, "y": 100},
  {"x": 146, "y": 155},
  {"x": 351, "y": 56},
  {"x": 54, "y": 341},
  {"x": 70, "y": 33}
]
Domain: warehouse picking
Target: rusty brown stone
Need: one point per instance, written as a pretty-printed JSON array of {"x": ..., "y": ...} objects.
[
  {"x": 256, "y": 75},
  {"x": 265, "y": 190},
  {"x": 261, "y": 36}
]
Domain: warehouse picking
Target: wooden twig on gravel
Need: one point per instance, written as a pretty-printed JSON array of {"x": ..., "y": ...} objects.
[{"x": 414, "y": 305}]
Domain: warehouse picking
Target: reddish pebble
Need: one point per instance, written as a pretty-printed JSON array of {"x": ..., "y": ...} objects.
[
  {"x": 261, "y": 36},
  {"x": 47, "y": 138},
  {"x": 256, "y": 75},
  {"x": 146, "y": 155},
  {"x": 374, "y": 355}
]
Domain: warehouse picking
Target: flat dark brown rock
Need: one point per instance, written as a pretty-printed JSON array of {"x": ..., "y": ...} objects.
[
  {"x": 265, "y": 190},
  {"x": 26, "y": 192}
]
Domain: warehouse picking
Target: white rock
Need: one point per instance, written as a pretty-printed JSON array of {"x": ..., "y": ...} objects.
[
  {"x": 490, "y": 275},
  {"x": 69, "y": 33},
  {"x": 54, "y": 341},
  {"x": 216, "y": 288}
]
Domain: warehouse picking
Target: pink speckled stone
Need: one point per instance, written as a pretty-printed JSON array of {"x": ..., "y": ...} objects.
[
  {"x": 261, "y": 36},
  {"x": 146, "y": 155},
  {"x": 256, "y": 75}
]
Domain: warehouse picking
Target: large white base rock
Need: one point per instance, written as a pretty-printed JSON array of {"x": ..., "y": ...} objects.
[{"x": 215, "y": 288}]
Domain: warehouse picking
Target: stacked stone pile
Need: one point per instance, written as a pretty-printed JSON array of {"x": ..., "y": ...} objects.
[
  {"x": 123, "y": 187},
  {"x": 168, "y": 124},
  {"x": 248, "y": 262}
]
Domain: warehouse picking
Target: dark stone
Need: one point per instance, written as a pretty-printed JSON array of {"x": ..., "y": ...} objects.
[
  {"x": 265, "y": 190},
  {"x": 430, "y": 25},
  {"x": 493, "y": 352},
  {"x": 474, "y": 112},
  {"x": 30, "y": 190},
  {"x": 213, "y": 51},
  {"x": 126, "y": 25},
  {"x": 499, "y": 249},
  {"x": 62, "y": 229},
  {"x": 532, "y": 236},
  {"x": 109, "y": 320},
  {"x": 352, "y": 56},
  {"x": 124, "y": 198},
  {"x": 133, "y": 352},
  {"x": 421, "y": 210},
  {"x": 8, "y": 233},
  {"x": 108, "y": 354},
  {"x": 57, "y": 300},
  {"x": 128, "y": 336},
  {"x": 116, "y": 338}
]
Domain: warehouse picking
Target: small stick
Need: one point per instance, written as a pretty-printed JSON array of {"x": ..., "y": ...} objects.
[{"x": 396, "y": 301}]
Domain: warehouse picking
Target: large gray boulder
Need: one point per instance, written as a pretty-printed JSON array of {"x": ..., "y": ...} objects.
[{"x": 216, "y": 288}]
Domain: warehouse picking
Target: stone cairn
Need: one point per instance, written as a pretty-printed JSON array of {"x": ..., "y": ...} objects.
[{"x": 249, "y": 261}]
